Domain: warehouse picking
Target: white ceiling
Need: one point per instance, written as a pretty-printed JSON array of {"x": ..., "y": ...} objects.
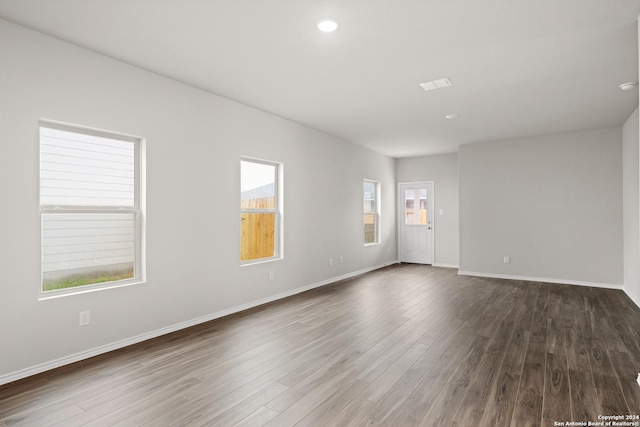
[{"x": 519, "y": 68}]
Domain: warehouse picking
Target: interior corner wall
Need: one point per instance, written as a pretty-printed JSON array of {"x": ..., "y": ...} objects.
[
  {"x": 194, "y": 141},
  {"x": 630, "y": 135},
  {"x": 553, "y": 204},
  {"x": 443, "y": 171},
  {"x": 631, "y": 205}
]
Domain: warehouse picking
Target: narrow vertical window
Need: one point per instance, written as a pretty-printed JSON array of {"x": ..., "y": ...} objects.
[
  {"x": 260, "y": 214},
  {"x": 89, "y": 208},
  {"x": 371, "y": 211}
]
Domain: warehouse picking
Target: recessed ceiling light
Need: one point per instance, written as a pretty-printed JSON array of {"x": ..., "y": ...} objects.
[
  {"x": 629, "y": 86},
  {"x": 327, "y": 25},
  {"x": 452, "y": 116},
  {"x": 436, "y": 84}
]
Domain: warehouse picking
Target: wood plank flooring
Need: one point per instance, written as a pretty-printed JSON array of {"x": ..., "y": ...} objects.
[{"x": 406, "y": 345}]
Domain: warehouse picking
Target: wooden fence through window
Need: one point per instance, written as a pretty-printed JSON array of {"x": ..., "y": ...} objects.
[{"x": 257, "y": 234}]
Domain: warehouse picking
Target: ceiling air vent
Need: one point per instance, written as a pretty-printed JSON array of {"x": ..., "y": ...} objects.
[{"x": 436, "y": 84}]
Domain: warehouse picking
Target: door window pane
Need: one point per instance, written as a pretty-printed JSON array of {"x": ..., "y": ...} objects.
[
  {"x": 415, "y": 206},
  {"x": 409, "y": 198},
  {"x": 422, "y": 194}
]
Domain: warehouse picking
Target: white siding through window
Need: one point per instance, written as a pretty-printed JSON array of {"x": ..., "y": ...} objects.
[
  {"x": 85, "y": 170},
  {"x": 83, "y": 240},
  {"x": 89, "y": 205}
]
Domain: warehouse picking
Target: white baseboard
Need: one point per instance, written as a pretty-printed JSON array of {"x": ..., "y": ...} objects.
[
  {"x": 446, "y": 265},
  {"x": 635, "y": 300},
  {"x": 43, "y": 367},
  {"x": 540, "y": 279}
]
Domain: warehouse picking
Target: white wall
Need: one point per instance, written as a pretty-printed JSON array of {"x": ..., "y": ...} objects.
[
  {"x": 552, "y": 203},
  {"x": 631, "y": 206},
  {"x": 443, "y": 170},
  {"x": 194, "y": 141}
]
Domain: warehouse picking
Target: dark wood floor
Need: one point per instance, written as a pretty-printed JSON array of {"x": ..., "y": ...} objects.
[{"x": 401, "y": 346}]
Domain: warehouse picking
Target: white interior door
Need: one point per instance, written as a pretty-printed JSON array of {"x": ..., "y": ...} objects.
[{"x": 415, "y": 231}]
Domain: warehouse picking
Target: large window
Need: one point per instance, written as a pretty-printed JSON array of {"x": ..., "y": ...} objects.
[
  {"x": 260, "y": 211},
  {"x": 89, "y": 207},
  {"x": 371, "y": 211}
]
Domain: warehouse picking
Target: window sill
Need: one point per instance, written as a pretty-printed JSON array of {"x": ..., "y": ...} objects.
[
  {"x": 260, "y": 261},
  {"x": 44, "y": 296}
]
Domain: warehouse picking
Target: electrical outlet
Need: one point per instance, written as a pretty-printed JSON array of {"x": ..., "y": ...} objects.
[
  {"x": 84, "y": 318},
  {"x": 272, "y": 275},
  {"x": 330, "y": 261},
  {"x": 507, "y": 260},
  {"x": 341, "y": 259}
]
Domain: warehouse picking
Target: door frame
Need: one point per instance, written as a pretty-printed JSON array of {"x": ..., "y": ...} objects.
[{"x": 400, "y": 213}]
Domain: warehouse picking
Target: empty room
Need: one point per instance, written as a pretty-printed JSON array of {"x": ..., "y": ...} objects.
[{"x": 326, "y": 213}]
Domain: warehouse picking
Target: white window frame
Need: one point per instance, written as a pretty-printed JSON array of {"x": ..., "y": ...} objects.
[
  {"x": 137, "y": 210},
  {"x": 376, "y": 213},
  {"x": 277, "y": 211}
]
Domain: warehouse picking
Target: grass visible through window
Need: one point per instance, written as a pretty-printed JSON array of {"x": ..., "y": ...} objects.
[{"x": 86, "y": 279}]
